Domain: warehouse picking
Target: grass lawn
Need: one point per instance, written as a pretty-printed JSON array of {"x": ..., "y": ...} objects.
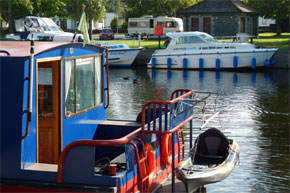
[
  {"x": 271, "y": 40},
  {"x": 268, "y": 40}
]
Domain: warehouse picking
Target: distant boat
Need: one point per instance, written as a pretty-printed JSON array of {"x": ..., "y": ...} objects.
[
  {"x": 120, "y": 55},
  {"x": 43, "y": 28},
  {"x": 211, "y": 160},
  {"x": 199, "y": 50}
]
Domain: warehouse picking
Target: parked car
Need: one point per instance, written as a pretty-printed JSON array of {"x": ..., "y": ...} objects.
[{"x": 106, "y": 34}]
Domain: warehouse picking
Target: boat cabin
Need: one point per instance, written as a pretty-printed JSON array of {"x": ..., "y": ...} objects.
[{"x": 54, "y": 128}]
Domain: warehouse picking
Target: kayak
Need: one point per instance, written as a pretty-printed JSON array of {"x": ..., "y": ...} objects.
[{"x": 211, "y": 160}]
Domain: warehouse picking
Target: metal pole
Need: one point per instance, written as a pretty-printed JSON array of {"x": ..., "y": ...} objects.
[
  {"x": 190, "y": 134},
  {"x": 139, "y": 40},
  {"x": 31, "y": 76}
]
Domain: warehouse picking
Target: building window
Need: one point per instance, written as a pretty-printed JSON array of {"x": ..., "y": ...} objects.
[
  {"x": 264, "y": 21},
  {"x": 83, "y": 84}
]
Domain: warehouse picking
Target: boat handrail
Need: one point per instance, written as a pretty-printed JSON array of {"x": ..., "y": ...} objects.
[
  {"x": 78, "y": 143},
  {"x": 163, "y": 122},
  {"x": 5, "y": 51}
]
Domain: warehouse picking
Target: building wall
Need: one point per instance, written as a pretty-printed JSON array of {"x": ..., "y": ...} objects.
[{"x": 225, "y": 24}]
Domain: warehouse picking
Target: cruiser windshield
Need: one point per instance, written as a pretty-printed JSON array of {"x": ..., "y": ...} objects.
[{"x": 207, "y": 38}]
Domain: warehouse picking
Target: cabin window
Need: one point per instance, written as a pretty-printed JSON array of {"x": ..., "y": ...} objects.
[
  {"x": 195, "y": 39},
  {"x": 189, "y": 40},
  {"x": 45, "y": 91},
  {"x": 83, "y": 84},
  {"x": 133, "y": 24},
  {"x": 169, "y": 24},
  {"x": 182, "y": 40}
]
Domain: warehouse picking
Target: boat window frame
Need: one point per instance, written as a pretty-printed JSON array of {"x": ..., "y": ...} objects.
[{"x": 74, "y": 58}]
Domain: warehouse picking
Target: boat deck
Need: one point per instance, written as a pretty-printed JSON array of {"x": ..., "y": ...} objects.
[{"x": 43, "y": 167}]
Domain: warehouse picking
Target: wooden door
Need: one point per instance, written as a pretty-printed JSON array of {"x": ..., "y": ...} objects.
[
  {"x": 242, "y": 25},
  {"x": 207, "y": 25},
  {"x": 194, "y": 24},
  {"x": 48, "y": 111}
]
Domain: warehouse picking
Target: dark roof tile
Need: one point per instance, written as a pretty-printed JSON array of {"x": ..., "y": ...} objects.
[{"x": 219, "y": 6}]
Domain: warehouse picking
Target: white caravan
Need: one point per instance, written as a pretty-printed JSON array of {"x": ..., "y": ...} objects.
[{"x": 145, "y": 25}]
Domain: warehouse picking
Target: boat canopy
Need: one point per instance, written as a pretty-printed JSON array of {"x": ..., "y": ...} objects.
[{"x": 40, "y": 23}]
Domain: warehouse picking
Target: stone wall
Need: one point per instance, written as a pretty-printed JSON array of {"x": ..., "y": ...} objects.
[
  {"x": 225, "y": 25},
  {"x": 282, "y": 59}
]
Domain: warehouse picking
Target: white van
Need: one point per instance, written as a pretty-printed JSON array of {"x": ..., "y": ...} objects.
[{"x": 145, "y": 25}]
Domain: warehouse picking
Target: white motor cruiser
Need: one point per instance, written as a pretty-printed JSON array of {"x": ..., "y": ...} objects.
[{"x": 199, "y": 50}]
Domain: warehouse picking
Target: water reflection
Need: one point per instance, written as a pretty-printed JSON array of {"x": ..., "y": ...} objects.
[{"x": 254, "y": 110}]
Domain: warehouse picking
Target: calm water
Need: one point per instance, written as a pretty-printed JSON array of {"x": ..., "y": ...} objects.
[{"x": 254, "y": 111}]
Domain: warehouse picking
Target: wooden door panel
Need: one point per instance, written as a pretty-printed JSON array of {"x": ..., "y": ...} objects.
[
  {"x": 46, "y": 155},
  {"x": 207, "y": 25},
  {"x": 194, "y": 24},
  {"x": 48, "y": 112}
]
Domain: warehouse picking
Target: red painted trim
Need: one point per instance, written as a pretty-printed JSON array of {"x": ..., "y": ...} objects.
[
  {"x": 111, "y": 142},
  {"x": 179, "y": 90}
]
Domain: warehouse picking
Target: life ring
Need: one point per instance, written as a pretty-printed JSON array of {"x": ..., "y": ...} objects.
[
  {"x": 166, "y": 149},
  {"x": 150, "y": 161}
]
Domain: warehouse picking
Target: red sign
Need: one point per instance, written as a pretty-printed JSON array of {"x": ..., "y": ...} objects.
[{"x": 158, "y": 30}]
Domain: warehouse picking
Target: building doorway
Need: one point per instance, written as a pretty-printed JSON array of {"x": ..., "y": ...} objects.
[
  {"x": 207, "y": 25},
  {"x": 194, "y": 24},
  {"x": 242, "y": 25}
]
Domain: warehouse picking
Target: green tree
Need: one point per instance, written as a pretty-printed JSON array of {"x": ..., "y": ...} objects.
[
  {"x": 139, "y": 8},
  {"x": 274, "y": 9},
  {"x": 49, "y": 8},
  {"x": 15, "y": 9},
  {"x": 95, "y": 10},
  {"x": 114, "y": 24}
]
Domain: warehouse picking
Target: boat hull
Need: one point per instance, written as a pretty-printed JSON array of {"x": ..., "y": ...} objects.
[
  {"x": 212, "y": 60},
  {"x": 122, "y": 57},
  {"x": 199, "y": 177}
]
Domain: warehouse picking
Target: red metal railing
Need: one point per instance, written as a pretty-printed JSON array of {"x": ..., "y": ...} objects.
[
  {"x": 111, "y": 142},
  {"x": 167, "y": 110},
  {"x": 127, "y": 138},
  {"x": 179, "y": 92}
]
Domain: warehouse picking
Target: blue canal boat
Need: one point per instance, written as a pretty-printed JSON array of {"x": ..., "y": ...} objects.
[{"x": 55, "y": 136}]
